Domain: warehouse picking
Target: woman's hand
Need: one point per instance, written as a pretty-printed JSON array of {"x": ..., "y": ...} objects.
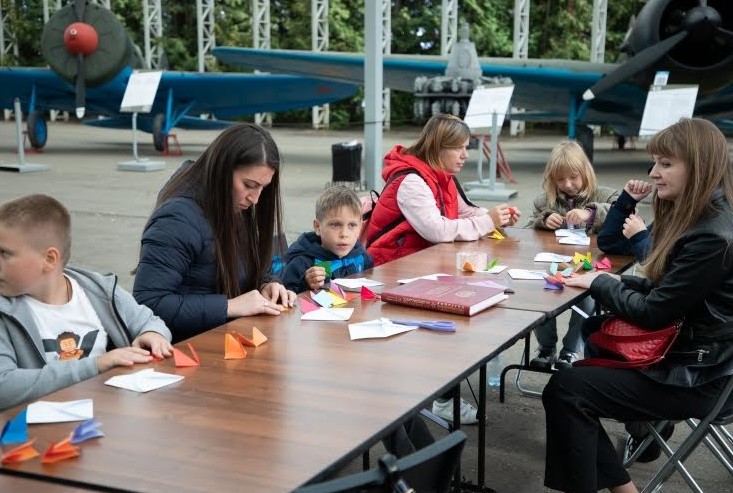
[
  {"x": 632, "y": 225},
  {"x": 577, "y": 216},
  {"x": 554, "y": 221},
  {"x": 514, "y": 215},
  {"x": 638, "y": 189},
  {"x": 251, "y": 303},
  {"x": 315, "y": 277},
  {"x": 276, "y": 292},
  {"x": 158, "y": 345},
  {"x": 585, "y": 280}
]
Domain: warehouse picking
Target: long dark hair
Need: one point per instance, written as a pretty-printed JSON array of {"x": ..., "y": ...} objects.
[{"x": 241, "y": 239}]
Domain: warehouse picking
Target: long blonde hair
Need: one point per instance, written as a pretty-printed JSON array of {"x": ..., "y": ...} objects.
[
  {"x": 568, "y": 158},
  {"x": 704, "y": 151},
  {"x": 440, "y": 132}
]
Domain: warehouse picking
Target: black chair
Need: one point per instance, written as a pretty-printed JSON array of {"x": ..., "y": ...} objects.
[
  {"x": 428, "y": 470},
  {"x": 709, "y": 430}
]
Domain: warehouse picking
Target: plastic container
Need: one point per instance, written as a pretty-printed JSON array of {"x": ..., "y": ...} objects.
[{"x": 493, "y": 370}]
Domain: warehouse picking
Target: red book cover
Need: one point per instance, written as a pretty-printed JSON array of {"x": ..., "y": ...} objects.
[{"x": 458, "y": 298}]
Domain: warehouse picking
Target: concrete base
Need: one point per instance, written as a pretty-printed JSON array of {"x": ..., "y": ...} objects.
[
  {"x": 482, "y": 190},
  {"x": 142, "y": 165},
  {"x": 26, "y": 168}
]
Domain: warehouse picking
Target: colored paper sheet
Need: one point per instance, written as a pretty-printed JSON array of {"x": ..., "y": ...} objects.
[
  {"x": 579, "y": 257},
  {"x": 580, "y": 240},
  {"x": 336, "y": 300},
  {"x": 143, "y": 380},
  {"x": 257, "y": 339},
  {"x": 565, "y": 272},
  {"x": 378, "y": 328},
  {"x": 531, "y": 275},
  {"x": 183, "y": 360},
  {"x": 15, "y": 430},
  {"x": 322, "y": 298},
  {"x": 87, "y": 430},
  {"x": 337, "y": 290},
  {"x": 351, "y": 296},
  {"x": 59, "y": 451},
  {"x": 492, "y": 264},
  {"x": 306, "y": 305},
  {"x": 326, "y": 266},
  {"x": 496, "y": 235},
  {"x": 233, "y": 349},
  {"x": 554, "y": 282},
  {"x": 551, "y": 257},
  {"x": 329, "y": 314},
  {"x": 604, "y": 263},
  {"x": 356, "y": 284},
  {"x": 20, "y": 454},
  {"x": 367, "y": 294},
  {"x": 60, "y": 412}
]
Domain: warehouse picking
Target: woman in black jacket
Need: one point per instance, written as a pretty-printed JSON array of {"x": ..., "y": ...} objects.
[
  {"x": 689, "y": 279},
  {"x": 208, "y": 246}
]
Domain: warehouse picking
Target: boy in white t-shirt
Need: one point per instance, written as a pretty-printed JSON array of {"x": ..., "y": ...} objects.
[{"x": 60, "y": 325}]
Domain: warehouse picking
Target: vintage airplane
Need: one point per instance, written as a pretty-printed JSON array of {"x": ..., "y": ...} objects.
[
  {"x": 691, "y": 39},
  {"x": 91, "y": 57}
]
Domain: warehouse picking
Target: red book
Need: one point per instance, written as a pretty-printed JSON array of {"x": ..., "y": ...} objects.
[{"x": 458, "y": 298}]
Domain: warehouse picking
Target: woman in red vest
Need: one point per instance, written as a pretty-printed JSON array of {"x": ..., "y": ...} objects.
[{"x": 422, "y": 204}]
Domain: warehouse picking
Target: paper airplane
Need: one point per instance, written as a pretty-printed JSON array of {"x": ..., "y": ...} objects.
[
  {"x": 143, "y": 380},
  {"x": 60, "y": 412},
  {"x": 257, "y": 339},
  {"x": 378, "y": 328},
  {"x": 329, "y": 314},
  {"x": 15, "y": 430},
  {"x": 554, "y": 282},
  {"x": 564, "y": 272},
  {"x": 355, "y": 284},
  {"x": 367, "y": 294},
  {"x": 579, "y": 257},
  {"x": 468, "y": 267},
  {"x": 496, "y": 235},
  {"x": 233, "y": 349},
  {"x": 86, "y": 431},
  {"x": 183, "y": 360},
  {"x": 20, "y": 454},
  {"x": 57, "y": 452},
  {"x": 551, "y": 257},
  {"x": 604, "y": 263}
]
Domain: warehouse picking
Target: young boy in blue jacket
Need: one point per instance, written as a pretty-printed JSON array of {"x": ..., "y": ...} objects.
[
  {"x": 57, "y": 322},
  {"x": 332, "y": 250}
]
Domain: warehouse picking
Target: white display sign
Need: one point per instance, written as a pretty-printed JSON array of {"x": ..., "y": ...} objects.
[
  {"x": 140, "y": 91},
  {"x": 485, "y": 101},
  {"x": 665, "y": 106}
]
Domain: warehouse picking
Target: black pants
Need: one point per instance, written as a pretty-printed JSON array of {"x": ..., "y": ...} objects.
[
  {"x": 408, "y": 438},
  {"x": 580, "y": 457}
]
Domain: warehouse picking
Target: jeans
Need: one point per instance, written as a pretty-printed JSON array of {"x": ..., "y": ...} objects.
[{"x": 573, "y": 341}]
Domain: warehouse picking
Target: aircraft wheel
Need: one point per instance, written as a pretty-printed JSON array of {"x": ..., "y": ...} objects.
[
  {"x": 37, "y": 129},
  {"x": 584, "y": 136},
  {"x": 158, "y": 135}
]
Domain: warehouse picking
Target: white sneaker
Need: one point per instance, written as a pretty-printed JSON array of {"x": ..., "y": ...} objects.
[{"x": 445, "y": 411}]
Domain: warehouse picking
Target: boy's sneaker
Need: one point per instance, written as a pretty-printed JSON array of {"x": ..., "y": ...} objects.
[
  {"x": 445, "y": 411},
  {"x": 544, "y": 359},
  {"x": 565, "y": 360}
]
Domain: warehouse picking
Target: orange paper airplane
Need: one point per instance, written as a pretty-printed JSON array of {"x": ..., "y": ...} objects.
[
  {"x": 20, "y": 453},
  {"x": 468, "y": 267},
  {"x": 257, "y": 339},
  {"x": 60, "y": 451},
  {"x": 182, "y": 359},
  {"x": 233, "y": 349}
]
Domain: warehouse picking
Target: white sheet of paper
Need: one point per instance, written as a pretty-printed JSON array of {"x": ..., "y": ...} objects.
[
  {"x": 575, "y": 240},
  {"x": 552, "y": 257},
  {"x": 143, "y": 380},
  {"x": 533, "y": 275},
  {"x": 378, "y": 328},
  {"x": 494, "y": 270},
  {"x": 341, "y": 314},
  {"x": 356, "y": 284},
  {"x": 570, "y": 232},
  {"x": 59, "y": 412},
  {"x": 432, "y": 277}
]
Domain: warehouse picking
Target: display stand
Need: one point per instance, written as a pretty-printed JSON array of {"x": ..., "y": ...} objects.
[
  {"x": 21, "y": 166},
  {"x": 138, "y": 98},
  {"x": 665, "y": 105}
]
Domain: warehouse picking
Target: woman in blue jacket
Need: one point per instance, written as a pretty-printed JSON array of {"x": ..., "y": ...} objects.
[{"x": 207, "y": 247}]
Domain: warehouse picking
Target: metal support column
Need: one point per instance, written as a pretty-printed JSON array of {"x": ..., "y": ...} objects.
[
  {"x": 319, "y": 42},
  {"x": 598, "y": 33},
  {"x": 373, "y": 85},
  {"x": 8, "y": 42},
  {"x": 49, "y": 10},
  {"x": 386, "y": 49},
  {"x": 262, "y": 40},
  {"x": 448, "y": 26},
  {"x": 204, "y": 31},
  {"x": 153, "y": 25},
  {"x": 521, "y": 48}
]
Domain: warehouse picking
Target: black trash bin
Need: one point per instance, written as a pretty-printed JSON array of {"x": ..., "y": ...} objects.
[{"x": 346, "y": 161}]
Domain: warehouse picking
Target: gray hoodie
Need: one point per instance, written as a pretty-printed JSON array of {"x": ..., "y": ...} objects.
[{"x": 24, "y": 373}]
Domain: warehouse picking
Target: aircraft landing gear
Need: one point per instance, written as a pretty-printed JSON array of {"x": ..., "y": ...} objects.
[
  {"x": 37, "y": 129},
  {"x": 158, "y": 135},
  {"x": 584, "y": 136}
]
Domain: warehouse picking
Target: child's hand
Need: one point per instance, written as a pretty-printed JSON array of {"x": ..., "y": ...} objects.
[
  {"x": 125, "y": 356},
  {"x": 158, "y": 345},
  {"x": 638, "y": 189},
  {"x": 515, "y": 214},
  {"x": 315, "y": 277},
  {"x": 577, "y": 216},
  {"x": 632, "y": 225},
  {"x": 501, "y": 215},
  {"x": 251, "y": 303},
  {"x": 275, "y": 292},
  {"x": 554, "y": 221}
]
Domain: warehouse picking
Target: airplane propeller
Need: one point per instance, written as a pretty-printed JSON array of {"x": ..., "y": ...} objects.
[
  {"x": 701, "y": 23},
  {"x": 80, "y": 40}
]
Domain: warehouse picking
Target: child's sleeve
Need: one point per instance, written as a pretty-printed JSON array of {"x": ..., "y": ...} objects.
[
  {"x": 541, "y": 210},
  {"x": 293, "y": 274},
  {"x": 138, "y": 318}
]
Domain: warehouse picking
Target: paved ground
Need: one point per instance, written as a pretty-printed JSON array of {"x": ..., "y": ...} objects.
[{"x": 109, "y": 209}]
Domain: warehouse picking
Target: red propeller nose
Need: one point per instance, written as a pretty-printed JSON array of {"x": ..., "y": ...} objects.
[{"x": 80, "y": 38}]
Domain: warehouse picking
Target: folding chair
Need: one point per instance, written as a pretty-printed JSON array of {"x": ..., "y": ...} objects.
[
  {"x": 710, "y": 430},
  {"x": 429, "y": 470}
]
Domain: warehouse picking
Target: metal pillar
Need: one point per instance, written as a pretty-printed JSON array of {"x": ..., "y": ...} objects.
[
  {"x": 521, "y": 45},
  {"x": 48, "y": 10},
  {"x": 153, "y": 25},
  {"x": 373, "y": 85},
  {"x": 8, "y": 42},
  {"x": 448, "y": 26},
  {"x": 204, "y": 31},
  {"x": 598, "y": 33},
  {"x": 261, "y": 34},
  {"x": 386, "y": 8},
  {"x": 319, "y": 42}
]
